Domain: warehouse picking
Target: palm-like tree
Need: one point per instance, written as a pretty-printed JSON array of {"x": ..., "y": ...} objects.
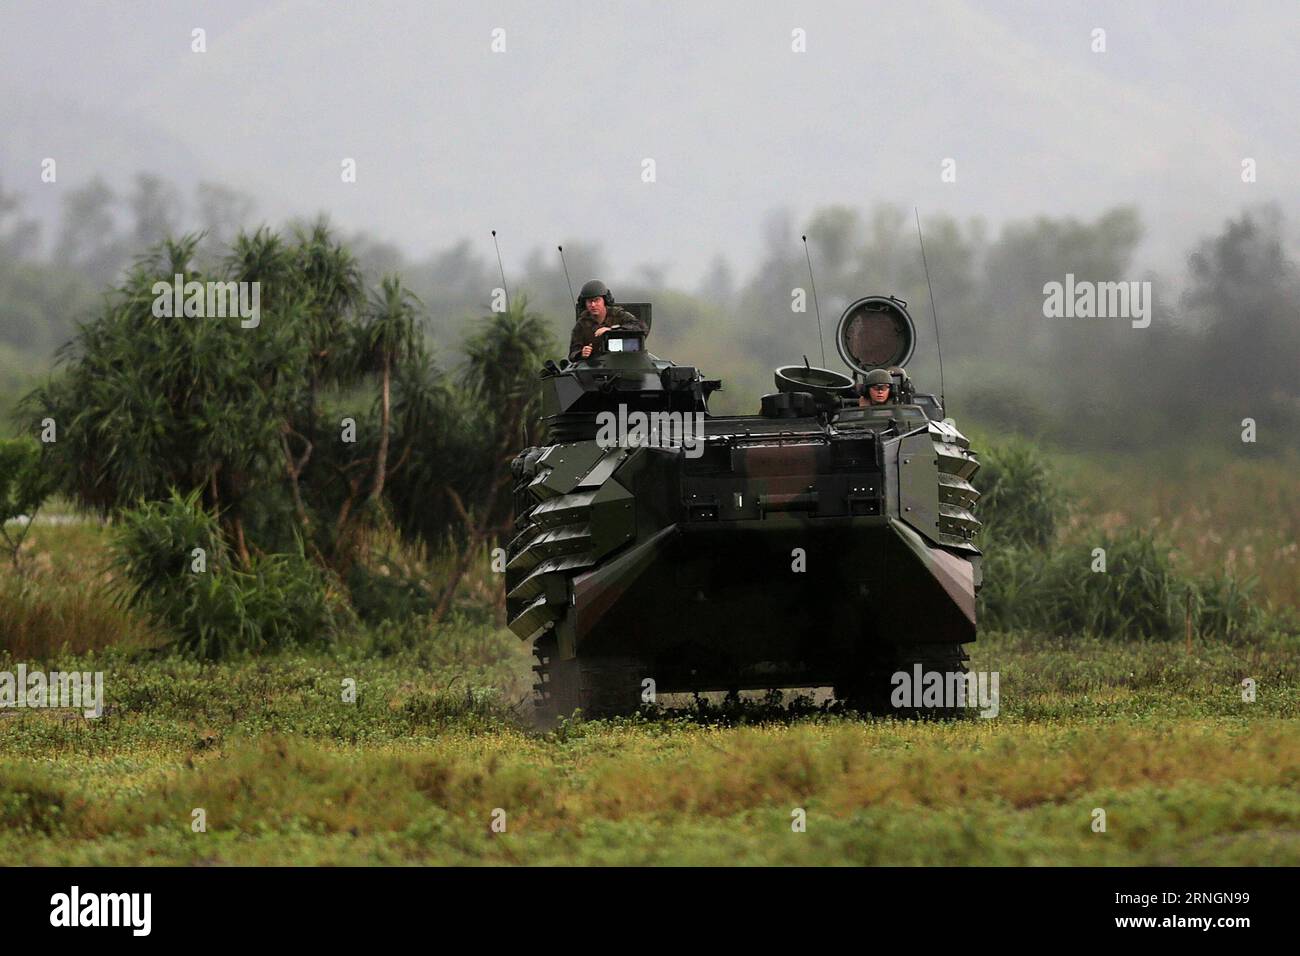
[
  {"x": 334, "y": 292},
  {"x": 504, "y": 358},
  {"x": 389, "y": 335}
]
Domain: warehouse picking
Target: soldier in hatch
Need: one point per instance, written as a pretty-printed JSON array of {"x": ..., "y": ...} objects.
[
  {"x": 597, "y": 314},
  {"x": 877, "y": 388}
]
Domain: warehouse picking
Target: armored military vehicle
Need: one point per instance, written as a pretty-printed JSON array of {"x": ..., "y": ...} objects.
[{"x": 820, "y": 542}]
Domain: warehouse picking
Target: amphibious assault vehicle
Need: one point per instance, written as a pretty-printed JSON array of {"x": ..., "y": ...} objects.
[{"x": 661, "y": 548}]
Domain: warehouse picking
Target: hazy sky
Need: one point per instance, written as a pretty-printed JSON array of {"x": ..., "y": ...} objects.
[{"x": 546, "y": 141}]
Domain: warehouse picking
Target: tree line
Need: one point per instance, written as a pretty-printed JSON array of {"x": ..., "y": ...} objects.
[{"x": 1228, "y": 317}]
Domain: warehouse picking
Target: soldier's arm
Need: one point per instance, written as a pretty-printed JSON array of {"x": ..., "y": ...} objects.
[
  {"x": 629, "y": 321},
  {"x": 576, "y": 342}
]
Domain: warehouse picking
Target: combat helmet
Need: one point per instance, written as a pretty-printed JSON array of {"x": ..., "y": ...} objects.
[{"x": 594, "y": 288}]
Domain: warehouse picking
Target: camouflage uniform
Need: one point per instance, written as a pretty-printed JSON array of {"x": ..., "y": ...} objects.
[{"x": 584, "y": 330}]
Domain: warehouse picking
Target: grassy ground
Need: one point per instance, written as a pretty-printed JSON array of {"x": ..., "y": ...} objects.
[
  {"x": 1186, "y": 772},
  {"x": 439, "y": 738},
  {"x": 1240, "y": 514}
]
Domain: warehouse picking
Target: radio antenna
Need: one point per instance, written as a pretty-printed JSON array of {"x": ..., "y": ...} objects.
[
  {"x": 566, "y": 274},
  {"x": 937, "y": 347},
  {"x": 813, "y": 283},
  {"x": 505, "y": 288}
]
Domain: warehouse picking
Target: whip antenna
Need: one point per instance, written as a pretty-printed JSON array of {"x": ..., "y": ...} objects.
[
  {"x": 813, "y": 283},
  {"x": 566, "y": 274},
  {"x": 505, "y": 288},
  {"x": 942, "y": 399}
]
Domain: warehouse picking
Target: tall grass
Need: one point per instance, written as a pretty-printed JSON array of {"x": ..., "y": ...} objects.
[
  {"x": 1021, "y": 503},
  {"x": 42, "y": 617},
  {"x": 1040, "y": 573},
  {"x": 58, "y": 602},
  {"x": 1222, "y": 513},
  {"x": 1139, "y": 593}
]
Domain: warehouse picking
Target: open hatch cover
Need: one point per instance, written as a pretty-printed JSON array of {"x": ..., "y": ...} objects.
[{"x": 876, "y": 331}]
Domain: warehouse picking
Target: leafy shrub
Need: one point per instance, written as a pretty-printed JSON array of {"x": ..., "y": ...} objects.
[
  {"x": 24, "y": 485},
  {"x": 279, "y": 600},
  {"x": 1226, "y": 605},
  {"x": 1019, "y": 503},
  {"x": 388, "y": 593},
  {"x": 293, "y": 601}
]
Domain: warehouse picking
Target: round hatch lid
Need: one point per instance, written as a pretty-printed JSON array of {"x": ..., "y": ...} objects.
[
  {"x": 875, "y": 332},
  {"x": 808, "y": 378},
  {"x": 822, "y": 383}
]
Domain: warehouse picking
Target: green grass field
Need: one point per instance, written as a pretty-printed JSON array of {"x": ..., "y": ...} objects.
[
  {"x": 412, "y": 772},
  {"x": 440, "y": 738}
]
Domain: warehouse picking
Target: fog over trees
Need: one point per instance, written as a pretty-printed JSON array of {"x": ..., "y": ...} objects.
[{"x": 1224, "y": 331}]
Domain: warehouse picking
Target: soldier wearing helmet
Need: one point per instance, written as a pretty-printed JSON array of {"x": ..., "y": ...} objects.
[
  {"x": 596, "y": 315},
  {"x": 877, "y": 388}
]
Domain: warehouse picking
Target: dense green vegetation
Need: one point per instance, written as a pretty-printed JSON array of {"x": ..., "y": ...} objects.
[
  {"x": 254, "y": 463},
  {"x": 1125, "y": 582},
  {"x": 287, "y": 772},
  {"x": 233, "y": 565},
  {"x": 24, "y": 486},
  {"x": 1228, "y": 318},
  {"x": 440, "y": 736}
]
